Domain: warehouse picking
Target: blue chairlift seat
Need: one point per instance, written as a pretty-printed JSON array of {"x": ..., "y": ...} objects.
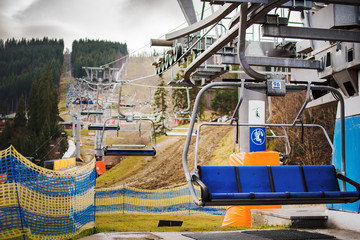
[
  {"x": 272, "y": 185},
  {"x": 101, "y": 127},
  {"x": 129, "y": 152}
]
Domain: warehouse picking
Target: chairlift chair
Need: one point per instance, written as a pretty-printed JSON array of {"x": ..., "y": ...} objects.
[
  {"x": 269, "y": 185},
  {"x": 87, "y": 110},
  {"x": 127, "y": 105},
  {"x": 176, "y": 131},
  {"x": 182, "y": 114},
  {"x": 131, "y": 149}
]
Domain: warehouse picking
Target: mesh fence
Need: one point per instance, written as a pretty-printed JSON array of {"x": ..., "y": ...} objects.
[
  {"x": 45, "y": 204},
  {"x": 41, "y": 203},
  {"x": 129, "y": 200}
]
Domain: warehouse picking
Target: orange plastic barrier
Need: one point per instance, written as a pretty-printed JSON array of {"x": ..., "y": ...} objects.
[
  {"x": 241, "y": 215},
  {"x": 100, "y": 167}
]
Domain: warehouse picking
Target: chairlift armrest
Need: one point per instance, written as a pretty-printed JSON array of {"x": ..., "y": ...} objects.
[
  {"x": 205, "y": 196},
  {"x": 348, "y": 180}
]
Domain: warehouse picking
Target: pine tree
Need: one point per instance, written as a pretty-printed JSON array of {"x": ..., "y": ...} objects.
[
  {"x": 33, "y": 111},
  {"x": 20, "y": 117},
  {"x": 224, "y": 101},
  {"x": 6, "y": 134},
  {"x": 43, "y": 113},
  {"x": 21, "y": 62},
  {"x": 48, "y": 97},
  {"x": 20, "y": 134},
  {"x": 178, "y": 96},
  {"x": 160, "y": 107},
  {"x": 30, "y": 68}
]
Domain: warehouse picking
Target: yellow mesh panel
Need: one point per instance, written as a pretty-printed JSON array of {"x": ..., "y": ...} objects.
[{"x": 41, "y": 203}]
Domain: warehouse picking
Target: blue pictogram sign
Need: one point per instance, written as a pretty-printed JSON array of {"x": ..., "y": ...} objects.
[{"x": 257, "y": 139}]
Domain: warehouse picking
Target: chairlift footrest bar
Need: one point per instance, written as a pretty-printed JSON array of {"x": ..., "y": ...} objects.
[
  {"x": 91, "y": 113},
  {"x": 99, "y": 127},
  {"x": 129, "y": 152}
]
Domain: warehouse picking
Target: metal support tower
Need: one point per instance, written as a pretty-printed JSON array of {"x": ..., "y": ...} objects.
[{"x": 78, "y": 133}]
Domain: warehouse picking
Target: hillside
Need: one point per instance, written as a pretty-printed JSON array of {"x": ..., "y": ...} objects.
[
  {"x": 165, "y": 169},
  {"x": 22, "y": 62}
]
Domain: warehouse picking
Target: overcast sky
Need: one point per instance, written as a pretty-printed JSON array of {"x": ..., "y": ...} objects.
[{"x": 130, "y": 21}]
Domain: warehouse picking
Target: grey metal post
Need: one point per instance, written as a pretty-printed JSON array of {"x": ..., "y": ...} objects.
[
  {"x": 73, "y": 117},
  {"x": 238, "y": 115},
  {"x": 98, "y": 134},
  {"x": 98, "y": 141},
  {"x": 236, "y": 112},
  {"x": 244, "y": 137},
  {"x": 78, "y": 133},
  {"x": 99, "y": 91}
]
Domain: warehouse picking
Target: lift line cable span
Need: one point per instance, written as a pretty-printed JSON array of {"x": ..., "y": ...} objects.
[
  {"x": 152, "y": 86},
  {"x": 117, "y": 82},
  {"x": 130, "y": 82},
  {"x": 174, "y": 29},
  {"x": 119, "y": 59}
]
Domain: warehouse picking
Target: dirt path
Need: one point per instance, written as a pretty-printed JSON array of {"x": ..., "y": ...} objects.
[{"x": 165, "y": 169}]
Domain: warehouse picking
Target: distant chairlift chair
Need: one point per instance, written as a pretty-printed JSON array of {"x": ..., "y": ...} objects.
[
  {"x": 178, "y": 131},
  {"x": 130, "y": 149}
]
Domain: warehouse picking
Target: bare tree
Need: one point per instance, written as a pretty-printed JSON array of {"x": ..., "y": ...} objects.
[{"x": 309, "y": 145}]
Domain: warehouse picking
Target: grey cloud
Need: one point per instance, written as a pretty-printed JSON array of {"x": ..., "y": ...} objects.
[
  {"x": 50, "y": 30},
  {"x": 44, "y": 9},
  {"x": 128, "y": 21}
]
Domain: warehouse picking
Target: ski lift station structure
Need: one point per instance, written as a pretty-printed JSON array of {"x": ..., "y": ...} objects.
[{"x": 325, "y": 60}]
